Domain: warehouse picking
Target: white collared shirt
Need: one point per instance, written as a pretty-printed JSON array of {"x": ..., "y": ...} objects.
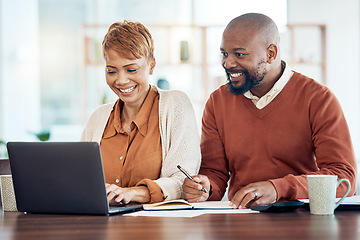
[{"x": 274, "y": 91}]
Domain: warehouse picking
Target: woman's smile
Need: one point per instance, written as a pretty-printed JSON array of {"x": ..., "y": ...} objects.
[{"x": 127, "y": 90}]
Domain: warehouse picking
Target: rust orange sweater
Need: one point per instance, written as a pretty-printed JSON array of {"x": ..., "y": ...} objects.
[{"x": 302, "y": 131}]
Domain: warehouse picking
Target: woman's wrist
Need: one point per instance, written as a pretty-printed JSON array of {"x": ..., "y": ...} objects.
[{"x": 140, "y": 194}]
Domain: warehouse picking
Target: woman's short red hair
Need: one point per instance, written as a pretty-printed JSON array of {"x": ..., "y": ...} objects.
[{"x": 129, "y": 39}]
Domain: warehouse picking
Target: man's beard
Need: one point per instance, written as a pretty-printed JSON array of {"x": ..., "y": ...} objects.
[{"x": 250, "y": 82}]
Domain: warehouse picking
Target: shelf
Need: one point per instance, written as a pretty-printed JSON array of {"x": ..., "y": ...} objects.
[{"x": 303, "y": 50}]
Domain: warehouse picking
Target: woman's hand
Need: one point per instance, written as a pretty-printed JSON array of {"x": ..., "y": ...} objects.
[
  {"x": 118, "y": 194},
  {"x": 125, "y": 195}
]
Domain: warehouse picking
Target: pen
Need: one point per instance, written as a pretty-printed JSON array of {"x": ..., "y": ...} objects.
[{"x": 188, "y": 176}]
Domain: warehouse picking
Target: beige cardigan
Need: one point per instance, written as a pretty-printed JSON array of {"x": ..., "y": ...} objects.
[{"x": 180, "y": 138}]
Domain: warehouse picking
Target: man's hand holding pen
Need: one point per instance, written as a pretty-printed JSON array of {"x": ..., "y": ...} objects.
[{"x": 193, "y": 189}]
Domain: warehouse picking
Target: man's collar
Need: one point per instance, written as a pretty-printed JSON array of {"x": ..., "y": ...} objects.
[{"x": 279, "y": 85}]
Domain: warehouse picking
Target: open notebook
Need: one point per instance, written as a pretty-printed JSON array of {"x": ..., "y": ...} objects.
[{"x": 181, "y": 204}]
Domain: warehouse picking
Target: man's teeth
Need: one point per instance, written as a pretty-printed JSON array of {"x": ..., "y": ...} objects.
[
  {"x": 234, "y": 75},
  {"x": 127, "y": 90}
]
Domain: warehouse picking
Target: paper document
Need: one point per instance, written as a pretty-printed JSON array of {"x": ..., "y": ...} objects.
[
  {"x": 181, "y": 204},
  {"x": 182, "y": 208},
  {"x": 187, "y": 213}
]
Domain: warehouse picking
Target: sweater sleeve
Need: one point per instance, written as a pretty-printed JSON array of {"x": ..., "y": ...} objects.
[
  {"x": 214, "y": 162},
  {"x": 96, "y": 124},
  {"x": 332, "y": 147},
  {"x": 156, "y": 194},
  {"x": 180, "y": 142}
]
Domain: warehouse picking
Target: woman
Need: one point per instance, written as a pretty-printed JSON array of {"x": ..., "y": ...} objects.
[{"x": 147, "y": 132}]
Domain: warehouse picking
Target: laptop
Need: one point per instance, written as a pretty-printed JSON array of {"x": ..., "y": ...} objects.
[{"x": 60, "y": 177}]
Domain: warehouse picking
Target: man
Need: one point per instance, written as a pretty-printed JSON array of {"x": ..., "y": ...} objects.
[{"x": 268, "y": 127}]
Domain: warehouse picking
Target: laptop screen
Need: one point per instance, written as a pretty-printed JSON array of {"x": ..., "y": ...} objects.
[{"x": 58, "y": 177}]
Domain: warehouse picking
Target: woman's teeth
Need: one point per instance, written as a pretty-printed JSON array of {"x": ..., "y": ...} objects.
[{"x": 128, "y": 89}]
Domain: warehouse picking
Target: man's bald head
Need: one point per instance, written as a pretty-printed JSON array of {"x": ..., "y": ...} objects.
[
  {"x": 251, "y": 56},
  {"x": 264, "y": 27}
]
